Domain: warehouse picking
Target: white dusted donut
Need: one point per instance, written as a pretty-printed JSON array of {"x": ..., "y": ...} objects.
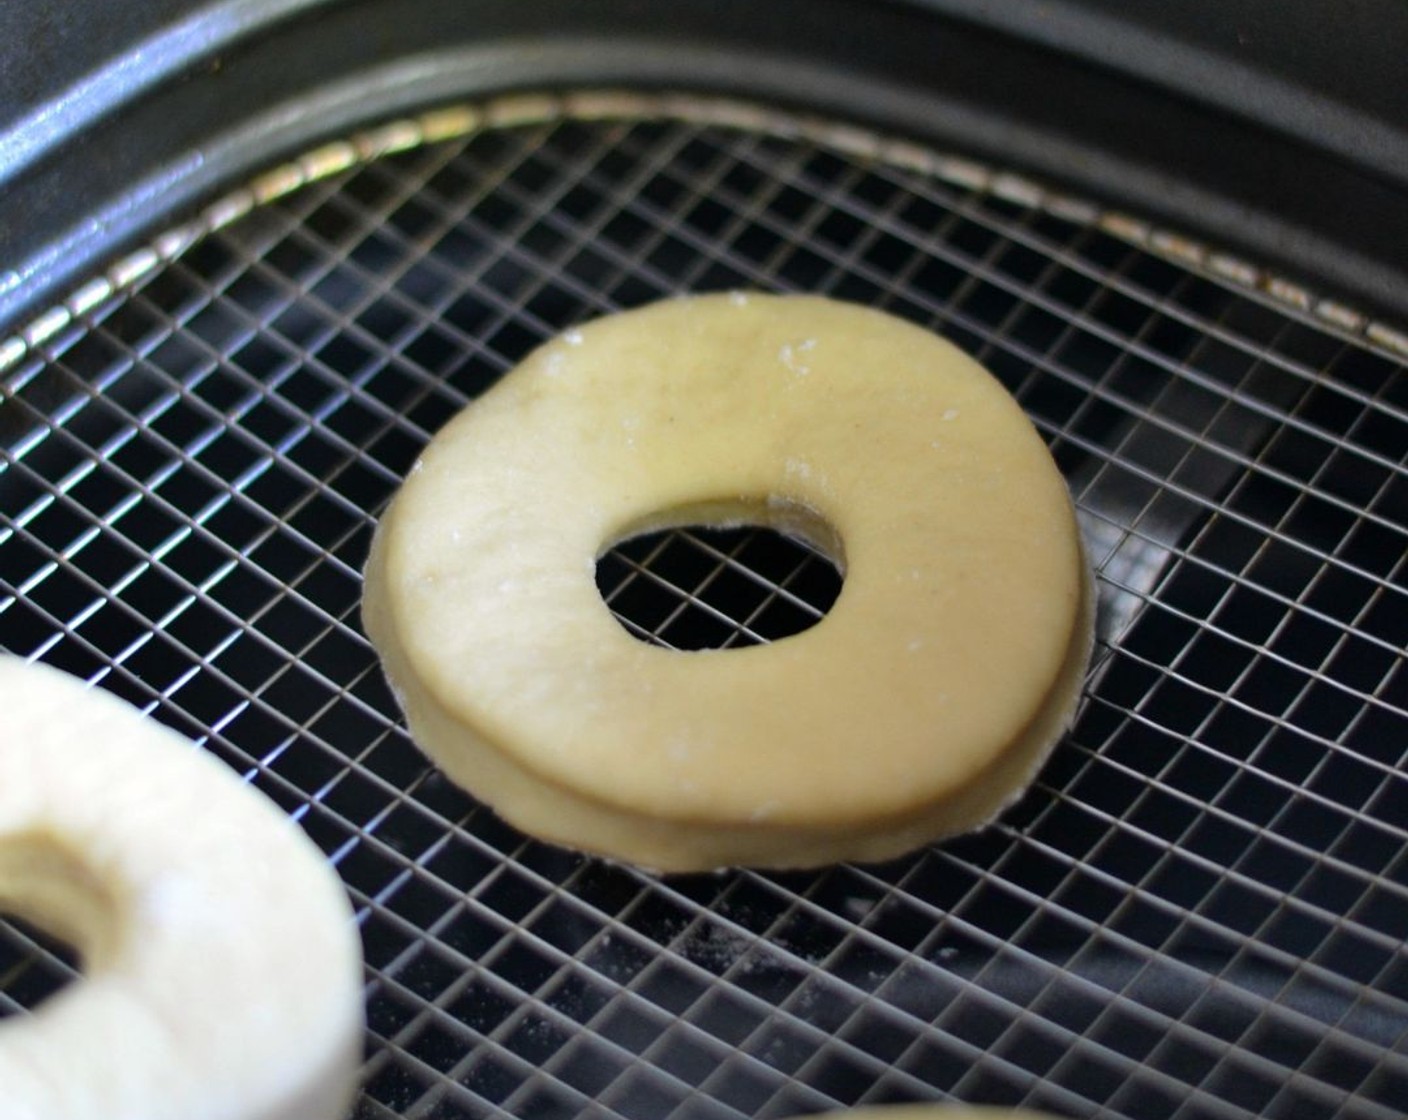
[
  {"x": 221, "y": 964},
  {"x": 918, "y": 707}
]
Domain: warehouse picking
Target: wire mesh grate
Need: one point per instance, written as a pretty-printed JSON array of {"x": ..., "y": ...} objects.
[{"x": 1199, "y": 909}]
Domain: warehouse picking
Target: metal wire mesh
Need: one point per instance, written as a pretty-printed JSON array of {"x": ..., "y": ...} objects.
[{"x": 1198, "y": 911}]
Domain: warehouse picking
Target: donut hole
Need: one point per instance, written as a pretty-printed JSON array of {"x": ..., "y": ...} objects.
[
  {"x": 700, "y": 582},
  {"x": 55, "y": 918},
  {"x": 34, "y": 964}
]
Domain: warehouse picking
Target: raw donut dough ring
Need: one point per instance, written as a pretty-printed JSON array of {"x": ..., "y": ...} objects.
[
  {"x": 221, "y": 965},
  {"x": 918, "y": 707}
]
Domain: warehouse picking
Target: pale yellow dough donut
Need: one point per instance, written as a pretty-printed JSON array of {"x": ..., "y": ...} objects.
[
  {"x": 221, "y": 964},
  {"x": 918, "y": 707}
]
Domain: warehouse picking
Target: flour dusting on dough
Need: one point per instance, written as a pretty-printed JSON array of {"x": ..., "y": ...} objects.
[
  {"x": 789, "y": 356},
  {"x": 763, "y": 811},
  {"x": 678, "y": 749}
]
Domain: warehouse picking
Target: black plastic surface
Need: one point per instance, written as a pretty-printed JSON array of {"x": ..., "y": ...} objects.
[{"x": 1276, "y": 129}]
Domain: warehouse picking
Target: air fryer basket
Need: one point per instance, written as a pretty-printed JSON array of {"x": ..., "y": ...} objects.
[{"x": 1199, "y": 908}]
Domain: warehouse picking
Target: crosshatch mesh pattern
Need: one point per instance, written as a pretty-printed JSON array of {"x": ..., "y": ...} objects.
[{"x": 1199, "y": 909}]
